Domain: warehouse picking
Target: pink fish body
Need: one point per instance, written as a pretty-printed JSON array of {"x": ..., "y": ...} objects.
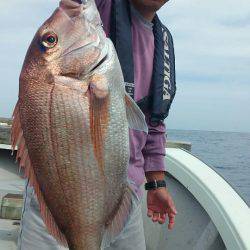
[{"x": 71, "y": 127}]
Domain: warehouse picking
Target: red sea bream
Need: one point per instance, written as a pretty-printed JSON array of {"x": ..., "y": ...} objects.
[{"x": 71, "y": 127}]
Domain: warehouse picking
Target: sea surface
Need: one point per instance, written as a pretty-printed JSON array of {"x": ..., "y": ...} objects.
[{"x": 227, "y": 152}]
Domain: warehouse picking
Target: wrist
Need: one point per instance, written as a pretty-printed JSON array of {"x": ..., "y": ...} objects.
[
  {"x": 155, "y": 175},
  {"x": 154, "y": 185}
]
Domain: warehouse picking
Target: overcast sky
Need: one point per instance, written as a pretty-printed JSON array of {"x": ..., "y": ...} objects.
[{"x": 212, "y": 46}]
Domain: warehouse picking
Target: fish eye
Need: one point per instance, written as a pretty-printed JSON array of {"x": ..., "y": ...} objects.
[{"x": 49, "y": 40}]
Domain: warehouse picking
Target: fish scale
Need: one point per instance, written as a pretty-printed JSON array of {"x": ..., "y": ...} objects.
[{"x": 73, "y": 162}]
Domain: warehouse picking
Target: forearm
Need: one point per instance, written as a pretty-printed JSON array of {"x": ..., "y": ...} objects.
[{"x": 154, "y": 153}]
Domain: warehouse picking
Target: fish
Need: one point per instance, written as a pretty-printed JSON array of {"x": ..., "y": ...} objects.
[{"x": 71, "y": 126}]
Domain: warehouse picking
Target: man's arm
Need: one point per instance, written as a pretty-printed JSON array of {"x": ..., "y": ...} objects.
[
  {"x": 154, "y": 151},
  {"x": 160, "y": 203}
]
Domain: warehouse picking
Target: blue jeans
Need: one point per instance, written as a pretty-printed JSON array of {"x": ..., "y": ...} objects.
[{"x": 34, "y": 236}]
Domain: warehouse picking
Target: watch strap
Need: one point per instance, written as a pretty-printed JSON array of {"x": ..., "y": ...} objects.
[{"x": 152, "y": 185}]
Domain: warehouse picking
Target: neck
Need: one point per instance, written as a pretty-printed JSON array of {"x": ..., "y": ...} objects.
[{"x": 146, "y": 13}]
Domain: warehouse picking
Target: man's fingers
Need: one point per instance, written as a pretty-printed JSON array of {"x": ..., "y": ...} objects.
[
  {"x": 150, "y": 213},
  {"x": 171, "y": 207},
  {"x": 173, "y": 210},
  {"x": 171, "y": 217},
  {"x": 162, "y": 219},
  {"x": 156, "y": 217}
]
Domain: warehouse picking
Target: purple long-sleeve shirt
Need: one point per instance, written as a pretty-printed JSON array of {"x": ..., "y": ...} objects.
[{"x": 147, "y": 151}]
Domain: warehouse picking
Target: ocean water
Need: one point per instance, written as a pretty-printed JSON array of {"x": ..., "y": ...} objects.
[{"x": 228, "y": 153}]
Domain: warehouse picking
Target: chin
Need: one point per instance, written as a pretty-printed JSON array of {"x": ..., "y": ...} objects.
[{"x": 153, "y": 4}]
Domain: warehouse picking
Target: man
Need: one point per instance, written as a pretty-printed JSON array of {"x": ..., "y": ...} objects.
[
  {"x": 145, "y": 50},
  {"x": 136, "y": 33}
]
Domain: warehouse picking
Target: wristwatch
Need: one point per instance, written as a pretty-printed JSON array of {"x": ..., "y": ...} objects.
[{"x": 152, "y": 185}]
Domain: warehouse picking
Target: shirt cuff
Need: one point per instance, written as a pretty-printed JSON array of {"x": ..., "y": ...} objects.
[{"x": 154, "y": 163}]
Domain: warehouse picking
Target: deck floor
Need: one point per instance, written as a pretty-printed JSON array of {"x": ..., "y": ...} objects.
[{"x": 8, "y": 234}]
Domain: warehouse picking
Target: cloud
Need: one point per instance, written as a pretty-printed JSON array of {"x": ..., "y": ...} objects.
[
  {"x": 212, "y": 62},
  {"x": 20, "y": 20},
  {"x": 221, "y": 107},
  {"x": 238, "y": 22},
  {"x": 211, "y": 38}
]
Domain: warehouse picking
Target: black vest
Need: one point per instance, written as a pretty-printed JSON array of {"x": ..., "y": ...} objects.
[{"x": 163, "y": 85}]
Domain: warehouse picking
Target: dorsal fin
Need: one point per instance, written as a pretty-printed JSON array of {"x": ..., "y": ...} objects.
[{"x": 17, "y": 139}]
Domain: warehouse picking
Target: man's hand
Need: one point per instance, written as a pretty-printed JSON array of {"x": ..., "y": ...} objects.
[
  {"x": 160, "y": 205},
  {"x": 159, "y": 201}
]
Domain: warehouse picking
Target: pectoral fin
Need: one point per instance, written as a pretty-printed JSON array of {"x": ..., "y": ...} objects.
[{"x": 136, "y": 118}]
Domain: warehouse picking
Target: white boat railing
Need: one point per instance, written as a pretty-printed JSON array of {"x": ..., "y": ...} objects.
[{"x": 228, "y": 211}]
